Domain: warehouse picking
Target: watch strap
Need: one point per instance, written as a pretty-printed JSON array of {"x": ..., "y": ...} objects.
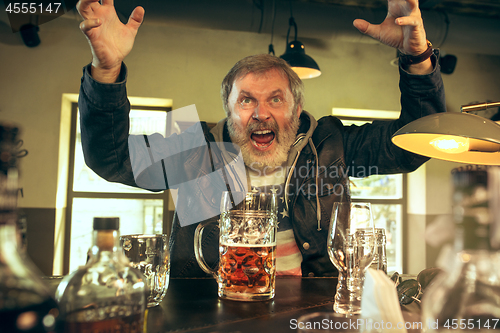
[{"x": 408, "y": 59}]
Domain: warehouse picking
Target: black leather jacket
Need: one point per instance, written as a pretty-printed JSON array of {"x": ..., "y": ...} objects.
[{"x": 339, "y": 152}]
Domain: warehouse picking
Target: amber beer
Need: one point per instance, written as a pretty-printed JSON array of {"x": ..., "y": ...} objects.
[
  {"x": 247, "y": 246},
  {"x": 247, "y": 271}
]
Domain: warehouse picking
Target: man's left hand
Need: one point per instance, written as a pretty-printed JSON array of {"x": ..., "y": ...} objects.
[{"x": 403, "y": 27}]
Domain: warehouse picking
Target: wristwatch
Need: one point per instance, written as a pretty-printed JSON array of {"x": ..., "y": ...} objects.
[{"x": 408, "y": 59}]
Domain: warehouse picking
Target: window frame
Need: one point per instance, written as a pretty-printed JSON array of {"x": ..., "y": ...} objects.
[{"x": 71, "y": 194}]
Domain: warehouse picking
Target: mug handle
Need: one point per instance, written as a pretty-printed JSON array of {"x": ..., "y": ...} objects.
[{"x": 198, "y": 250}]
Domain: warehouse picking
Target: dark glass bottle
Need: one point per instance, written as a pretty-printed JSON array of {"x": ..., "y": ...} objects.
[
  {"x": 26, "y": 304},
  {"x": 107, "y": 294},
  {"x": 467, "y": 297}
]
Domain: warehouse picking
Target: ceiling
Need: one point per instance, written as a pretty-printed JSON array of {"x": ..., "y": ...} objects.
[
  {"x": 477, "y": 8},
  {"x": 472, "y": 8},
  {"x": 457, "y": 25}
]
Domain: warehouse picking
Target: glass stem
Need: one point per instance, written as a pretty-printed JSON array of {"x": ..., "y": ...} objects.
[{"x": 348, "y": 296}]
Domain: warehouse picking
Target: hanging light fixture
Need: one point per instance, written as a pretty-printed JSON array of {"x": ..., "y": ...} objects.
[
  {"x": 454, "y": 136},
  {"x": 295, "y": 55}
]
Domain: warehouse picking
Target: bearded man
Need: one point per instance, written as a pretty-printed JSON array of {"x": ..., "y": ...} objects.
[{"x": 283, "y": 147}]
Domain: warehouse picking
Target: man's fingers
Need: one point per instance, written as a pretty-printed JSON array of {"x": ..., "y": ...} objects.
[
  {"x": 408, "y": 21},
  {"x": 136, "y": 17},
  {"x": 361, "y": 25},
  {"x": 367, "y": 28},
  {"x": 87, "y": 25},
  {"x": 413, "y": 4},
  {"x": 84, "y": 5},
  {"x": 107, "y": 2}
]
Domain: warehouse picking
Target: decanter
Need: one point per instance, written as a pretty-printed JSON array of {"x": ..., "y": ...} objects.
[
  {"x": 107, "y": 294},
  {"x": 467, "y": 296},
  {"x": 26, "y": 303}
]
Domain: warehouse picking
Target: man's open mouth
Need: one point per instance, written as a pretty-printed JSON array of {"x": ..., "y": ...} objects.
[{"x": 262, "y": 139}]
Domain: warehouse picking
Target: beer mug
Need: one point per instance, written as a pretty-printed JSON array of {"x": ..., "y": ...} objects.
[
  {"x": 247, "y": 246},
  {"x": 149, "y": 254}
]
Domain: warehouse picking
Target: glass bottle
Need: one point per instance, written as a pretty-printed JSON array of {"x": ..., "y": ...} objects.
[
  {"x": 380, "y": 258},
  {"x": 105, "y": 295},
  {"x": 26, "y": 304},
  {"x": 467, "y": 296}
]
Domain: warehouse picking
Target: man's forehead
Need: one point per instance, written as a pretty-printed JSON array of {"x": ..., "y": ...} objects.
[
  {"x": 261, "y": 80},
  {"x": 273, "y": 92},
  {"x": 273, "y": 72}
]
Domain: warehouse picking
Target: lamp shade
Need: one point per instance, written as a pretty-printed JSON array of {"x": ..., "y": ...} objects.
[
  {"x": 301, "y": 63},
  {"x": 452, "y": 136}
]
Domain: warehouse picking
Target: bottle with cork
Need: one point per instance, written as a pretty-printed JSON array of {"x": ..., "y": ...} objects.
[{"x": 107, "y": 294}]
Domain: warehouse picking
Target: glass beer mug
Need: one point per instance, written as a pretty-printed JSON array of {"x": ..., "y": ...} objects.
[{"x": 247, "y": 246}]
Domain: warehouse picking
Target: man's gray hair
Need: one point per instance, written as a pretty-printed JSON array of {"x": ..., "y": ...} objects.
[{"x": 260, "y": 64}]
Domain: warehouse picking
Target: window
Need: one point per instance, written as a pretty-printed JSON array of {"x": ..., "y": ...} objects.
[
  {"x": 89, "y": 196},
  {"x": 386, "y": 193}
]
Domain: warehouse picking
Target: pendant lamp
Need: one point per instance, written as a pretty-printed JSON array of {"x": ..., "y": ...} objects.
[
  {"x": 454, "y": 136},
  {"x": 295, "y": 55}
]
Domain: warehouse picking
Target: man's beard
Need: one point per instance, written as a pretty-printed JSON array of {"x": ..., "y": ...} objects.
[{"x": 260, "y": 160}]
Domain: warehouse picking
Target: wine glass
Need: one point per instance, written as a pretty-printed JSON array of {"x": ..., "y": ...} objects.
[{"x": 351, "y": 249}]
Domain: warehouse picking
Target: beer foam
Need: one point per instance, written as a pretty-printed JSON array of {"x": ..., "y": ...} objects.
[{"x": 248, "y": 245}]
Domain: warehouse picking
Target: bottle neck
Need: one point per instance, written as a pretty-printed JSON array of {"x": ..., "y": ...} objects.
[
  {"x": 8, "y": 241},
  {"x": 106, "y": 243},
  {"x": 380, "y": 237},
  {"x": 8, "y": 210},
  {"x": 472, "y": 235},
  {"x": 8, "y": 195},
  {"x": 471, "y": 210}
]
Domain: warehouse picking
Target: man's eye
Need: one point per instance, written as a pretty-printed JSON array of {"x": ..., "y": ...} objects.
[
  {"x": 246, "y": 101},
  {"x": 276, "y": 101}
]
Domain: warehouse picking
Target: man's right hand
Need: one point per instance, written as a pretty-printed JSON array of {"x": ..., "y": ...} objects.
[{"x": 110, "y": 40}]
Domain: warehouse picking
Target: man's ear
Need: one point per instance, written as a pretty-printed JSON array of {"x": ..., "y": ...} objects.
[{"x": 299, "y": 110}]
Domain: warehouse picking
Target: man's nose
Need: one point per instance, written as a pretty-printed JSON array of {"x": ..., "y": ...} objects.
[{"x": 261, "y": 112}]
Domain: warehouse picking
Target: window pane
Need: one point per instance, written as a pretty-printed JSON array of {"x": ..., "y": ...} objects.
[
  {"x": 137, "y": 216},
  {"x": 86, "y": 180},
  {"x": 377, "y": 187},
  {"x": 382, "y": 187},
  {"x": 389, "y": 217},
  {"x": 148, "y": 122}
]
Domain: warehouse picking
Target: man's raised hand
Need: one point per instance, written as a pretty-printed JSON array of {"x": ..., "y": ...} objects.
[
  {"x": 403, "y": 27},
  {"x": 110, "y": 40}
]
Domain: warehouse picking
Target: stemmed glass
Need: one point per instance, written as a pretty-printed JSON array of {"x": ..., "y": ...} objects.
[{"x": 351, "y": 249}]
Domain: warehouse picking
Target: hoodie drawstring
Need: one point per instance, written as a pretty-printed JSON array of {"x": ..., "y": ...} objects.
[
  {"x": 318, "y": 207},
  {"x": 290, "y": 177}
]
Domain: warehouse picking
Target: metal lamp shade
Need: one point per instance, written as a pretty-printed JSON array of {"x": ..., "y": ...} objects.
[
  {"x": 301, "y": 63},
  {"x": 475, "y": 139}
]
